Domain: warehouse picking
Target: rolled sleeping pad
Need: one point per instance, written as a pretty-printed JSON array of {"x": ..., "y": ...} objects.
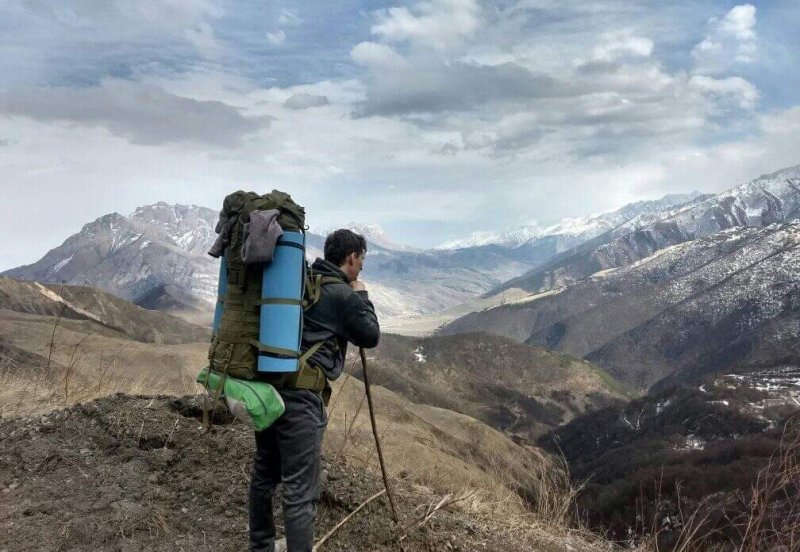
[
  {"x": 222, "y": 289},
  {"x": 281, "y": 309}
]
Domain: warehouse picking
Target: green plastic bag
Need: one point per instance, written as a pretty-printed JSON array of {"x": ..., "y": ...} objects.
[{"x": 255, "y": 403}]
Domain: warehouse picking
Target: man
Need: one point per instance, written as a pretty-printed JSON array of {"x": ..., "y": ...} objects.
[{"x": 288, "y": 452}]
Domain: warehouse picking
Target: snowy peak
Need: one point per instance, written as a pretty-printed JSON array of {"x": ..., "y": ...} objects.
[
  {"x": 188, "y": 227},
  {"x": 509, "y": 238},
  {"x": 579, "y": 228},
  {"x": 595, "y": 225},
  {"x": 158, "y": 247},
  {"x": 373, "y": 233}
]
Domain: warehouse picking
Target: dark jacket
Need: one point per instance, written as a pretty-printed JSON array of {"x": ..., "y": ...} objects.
[{"x": 340, "y": 316}]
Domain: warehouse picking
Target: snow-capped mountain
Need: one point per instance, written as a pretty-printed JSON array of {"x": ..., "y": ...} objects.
[
  {"x": 671, "y": 296},
  {"x": 571, "y": 231},
  {"x": 728, "y": 301},
  {"x": 374, "y": 234},
  {"x": 771, "y": 198},
  {"x": 510, "y": 238},
  {"x": 154, "y": 257},
  {"x": 586, "y": 228}
]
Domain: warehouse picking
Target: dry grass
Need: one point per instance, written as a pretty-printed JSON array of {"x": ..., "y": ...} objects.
[
  {"x": 455, "y": 463},
  {"x": 76, "y": 367},
  {"x": 765, "y": 517}
]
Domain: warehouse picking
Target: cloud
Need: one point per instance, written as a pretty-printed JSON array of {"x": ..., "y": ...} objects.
[
  {"x": 734, "y": 89},
  {"x": 140, "y": 113},
  {"x": 731, "y": 40},
  {"x": 203, "y": 38},
  {"x": 621, "y": 45},
  {"x": 305, "y": 101},
  {"x": 127, "y": 20},
  {"x": 560, "y": 108},
  {"x": 374, "y": 55},
  {"x": 436, "y": 87},
  {"x": 289, "y": 17},
  {"x": 739, "y": 22},
  {"x": 277, "y": 38},
  {"x": 440, "y": 24}
]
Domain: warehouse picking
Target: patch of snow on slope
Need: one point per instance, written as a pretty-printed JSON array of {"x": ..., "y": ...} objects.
[{"x": 61, "y": 264}]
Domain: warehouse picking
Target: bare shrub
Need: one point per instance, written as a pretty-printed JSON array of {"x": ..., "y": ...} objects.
[{"x": 764, "y": 517}]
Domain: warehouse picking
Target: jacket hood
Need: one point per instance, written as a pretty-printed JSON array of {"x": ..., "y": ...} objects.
[{"x": 326, "y": 268}]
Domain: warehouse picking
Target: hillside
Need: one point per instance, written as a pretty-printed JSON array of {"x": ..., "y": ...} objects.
[
  {"x": 50, "y": 361},
  {"x": 98, "y": 307},
  {"x": 135, "y": 474},
  {"x": 521, "y": 390},
  {"x": 683, "y": 448},
  {"x": 733, "y": 296}
]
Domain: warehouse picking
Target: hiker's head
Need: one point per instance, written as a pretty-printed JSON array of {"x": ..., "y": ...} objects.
[{"x": 346, "y": 249}]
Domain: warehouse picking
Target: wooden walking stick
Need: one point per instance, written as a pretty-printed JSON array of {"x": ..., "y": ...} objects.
[{"x": 377, "y": 438}]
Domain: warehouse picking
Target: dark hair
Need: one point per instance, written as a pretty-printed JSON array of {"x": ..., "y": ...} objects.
[{"x": 342, "y": 242}]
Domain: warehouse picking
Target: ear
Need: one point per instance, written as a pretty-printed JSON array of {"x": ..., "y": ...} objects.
[{"x": 351, "y": 258}]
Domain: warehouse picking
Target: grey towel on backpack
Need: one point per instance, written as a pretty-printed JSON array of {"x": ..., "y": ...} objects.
[
  {"x": 260, "y": 236},
  {"x": 224, "y": 228}
]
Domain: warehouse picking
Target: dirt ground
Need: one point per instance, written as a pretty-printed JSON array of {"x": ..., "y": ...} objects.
[{"x": 136, "y": 473}]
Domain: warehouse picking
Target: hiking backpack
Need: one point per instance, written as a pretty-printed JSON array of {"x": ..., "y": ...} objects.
[{"x": 258, "y": 321}]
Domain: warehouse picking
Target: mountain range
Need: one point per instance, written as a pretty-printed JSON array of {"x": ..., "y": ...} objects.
[
  {"x": 156, "y": 258},
  {"x": 711, "y": 285}
]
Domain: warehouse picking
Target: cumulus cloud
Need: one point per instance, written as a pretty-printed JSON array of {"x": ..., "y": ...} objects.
[
  {"x": 143, "y": 114},
  {"x": 375, "y": 55},
  {"x": 620, "y": 45},
  {"x": 730, "y": 40},
  {"x": 734, "y": 89},
  {"x": 441, "y": 24},
  {"x": 543, "y": 102},
  {"x": 277, "y": 38},
  {"x": 305, "y": 101}
]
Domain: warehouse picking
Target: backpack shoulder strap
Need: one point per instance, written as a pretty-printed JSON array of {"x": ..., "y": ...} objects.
[{"x": 313, "y": 288}]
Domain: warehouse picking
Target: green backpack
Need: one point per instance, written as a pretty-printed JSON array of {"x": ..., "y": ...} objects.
[
  {"x": 233, "y": 354},
  {"x": 232, "y": 351}
]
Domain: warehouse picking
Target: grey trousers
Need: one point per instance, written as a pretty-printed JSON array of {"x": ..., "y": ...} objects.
[{"x": 288, "y": 452}]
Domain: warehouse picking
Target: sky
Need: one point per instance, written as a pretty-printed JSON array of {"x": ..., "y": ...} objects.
[{"x": 433, "y": 119}]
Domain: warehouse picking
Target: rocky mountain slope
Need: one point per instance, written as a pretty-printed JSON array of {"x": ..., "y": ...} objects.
[
  {"x": 522, "y": 390},
  {"x": 723, "y": 302},
  {"x": 155, "y": 258},
  {"x": 154, "y": 488},
  {"x": 766, "y": 200},
  {"x": 715, "y": 300}
]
